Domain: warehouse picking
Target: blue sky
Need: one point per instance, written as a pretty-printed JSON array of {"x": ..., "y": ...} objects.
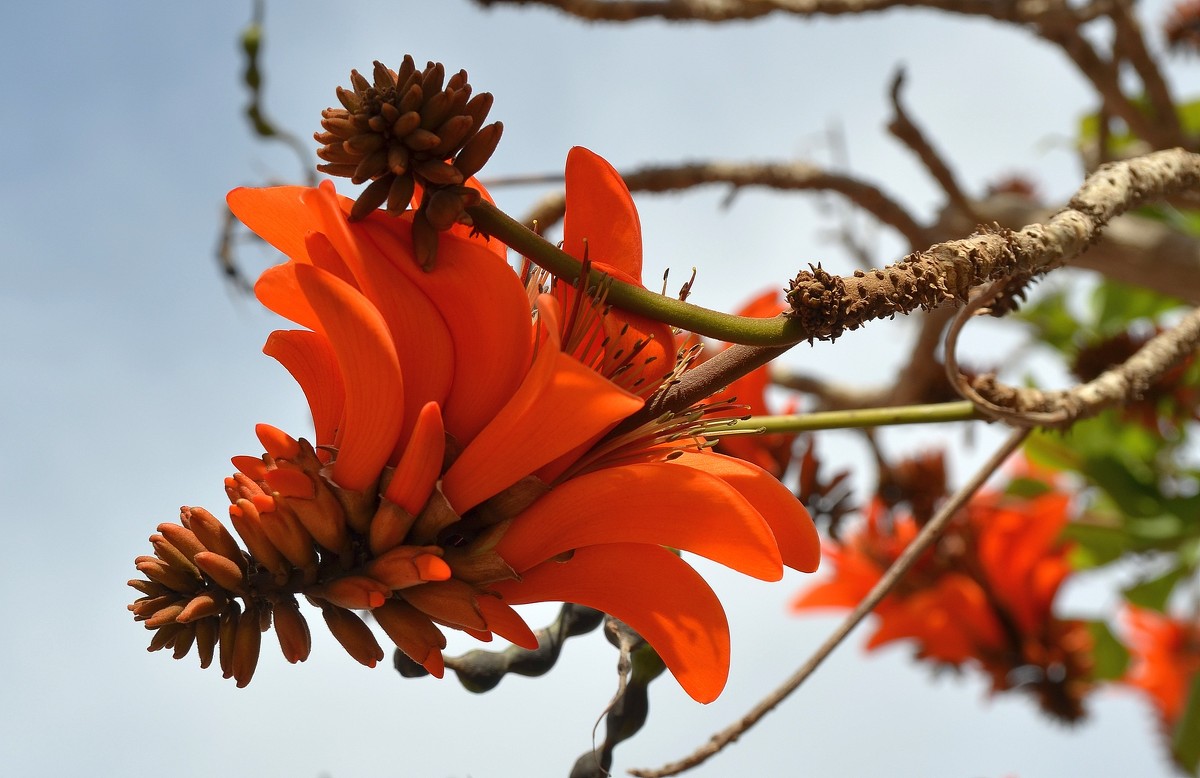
[{"x": 132, "y": 372}]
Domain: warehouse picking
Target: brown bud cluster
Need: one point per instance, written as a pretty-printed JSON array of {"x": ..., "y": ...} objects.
[
  {"x": 188, "y": 596},
  {"x": 1182, "y": 27},
  {"x": 407, "y": 128},
  {"x": 344, "y": 550}
]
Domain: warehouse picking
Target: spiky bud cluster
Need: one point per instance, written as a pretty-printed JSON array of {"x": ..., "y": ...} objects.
[
  {"x": 407, "y": 128},
  {"x": 344, "y": 550},
  {"x": 188, "y": 597}
]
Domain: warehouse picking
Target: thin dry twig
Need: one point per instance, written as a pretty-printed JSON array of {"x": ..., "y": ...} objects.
[
  {"x": 1130, "y": 44},
  {"x": 905, "y": 130},
  {"x": 1021, "y": 11},
  {"x": 1105, "y": 79},
  {"x": 928, "y": 535},
  {"x": 780, "y": 175}
]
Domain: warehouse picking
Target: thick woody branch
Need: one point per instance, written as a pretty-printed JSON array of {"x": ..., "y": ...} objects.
[
  {"x": 1135, "y": 250},
  {"x": 782, "y": 176},
  {"x": 727, "y": 10},
  {"x": 1028, "y": 407},
  {"x": 827, "y": 305}
]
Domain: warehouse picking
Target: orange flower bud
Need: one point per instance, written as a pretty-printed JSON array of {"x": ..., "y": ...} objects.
[
  {"x": 354, "y": 635},
  {"x": 294, "y": 638}
]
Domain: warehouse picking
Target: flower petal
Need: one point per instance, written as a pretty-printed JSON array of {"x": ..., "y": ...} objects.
[
  {"x": 487, "y": 319},
  {"x": 651, "y": 590},
  {"x": 560, "y": 405},
  {"x": 854, "y": 576},
  {"x": 275, "y": 214},
  {"x": 600, "y": 211},
  {"x": 799, "y": 544},
  {"x": 311, "y": 361},
  {"x": 419, "y": 465},
  {"x": 370, "y": 370},
  {"x": 506, "y": 622},
  {"x": 655, "y": 503},
  {"x": 417, "y": 327}
]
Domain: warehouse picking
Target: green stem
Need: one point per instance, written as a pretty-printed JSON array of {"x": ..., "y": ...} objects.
[
  {"x": 778, "y": 331},
  {"x": 862, "y": 417}
]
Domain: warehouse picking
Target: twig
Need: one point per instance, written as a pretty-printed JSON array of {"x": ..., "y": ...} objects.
[
  {"x": 1033, "y": 407},
  {"x": 1105, "y": 78},
  {"x": 727, "y": 10},
  {"x": 947, "y": 271},
  {"x": 928, "y": 535},
  {"x": 784, "y": 176},
  {"x": 905, "y": 130},
  {"x": 1131, "y": 44},
  {"x": 861, "y": 417}
]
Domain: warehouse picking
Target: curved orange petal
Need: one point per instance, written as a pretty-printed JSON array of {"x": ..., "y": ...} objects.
[
  {"x": 651, "y": 590},
  {"x": 370, "y": 371},
  {"x": 486, "y": 312},
  {"x": 278, "y": 291},
  {"x": 854, "y": 576},
  {"x": 560, "y": 405},
  {"x": 600, "y": 210},
  {"x": 418, "y": 328},
  {"x": 656, "y": 503},
  {"x": 413, "y": 633},
  {"x": 766, "y": 305},
  {"x": 275, "y": 214},
  {"x": 799, "y": 544},
  {"x": 506, "y": 622},
  {"x": 312, "y": 362},
  {"x": 419, "y": 465}
]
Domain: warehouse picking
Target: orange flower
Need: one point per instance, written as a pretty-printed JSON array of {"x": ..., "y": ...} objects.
[
  {"x": 1165, "y": 657},
  {"x": 983, "y": 594},
  {"x": 460, "y": 464}
]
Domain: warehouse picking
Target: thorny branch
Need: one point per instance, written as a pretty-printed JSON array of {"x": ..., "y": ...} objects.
[
  {"x": 827, "y": 305},
  {"x": 928, "y": 535},
  {"x": 1029, "y": 407}
]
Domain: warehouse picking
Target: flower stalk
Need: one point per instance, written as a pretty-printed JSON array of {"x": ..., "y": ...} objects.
[
  {"x": 935, "y": 413},
  {"x": 779, "y": 331}
]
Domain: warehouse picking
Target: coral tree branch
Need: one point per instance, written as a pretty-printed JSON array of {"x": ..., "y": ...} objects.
[
  {"x": 780, "y": 175},
  {"x": 1029, "y": 407},
  {"x": 827, "y": 305}
]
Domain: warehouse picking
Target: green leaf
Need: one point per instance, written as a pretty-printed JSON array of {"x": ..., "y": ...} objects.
[
  {"x": 1110, "y": 655},
  {"x": 1164, "y": 531},
  {"x": 1118, "y": 305},
  {"x": 1052, "y": 321},
  {"x": 1186, "y": 220},
  {"x": 1027, "y": 488},
  {"x": 1097, "y": 545},
  {"x": 1050, "y": 449},
  {"x": 1153, "y": 593},
  {"x": 1185, "y": 743},
  {"x": 1189, "y": 116}
]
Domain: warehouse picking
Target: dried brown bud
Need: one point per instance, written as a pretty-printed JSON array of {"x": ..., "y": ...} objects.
[{"x": 404, "y": 128}]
